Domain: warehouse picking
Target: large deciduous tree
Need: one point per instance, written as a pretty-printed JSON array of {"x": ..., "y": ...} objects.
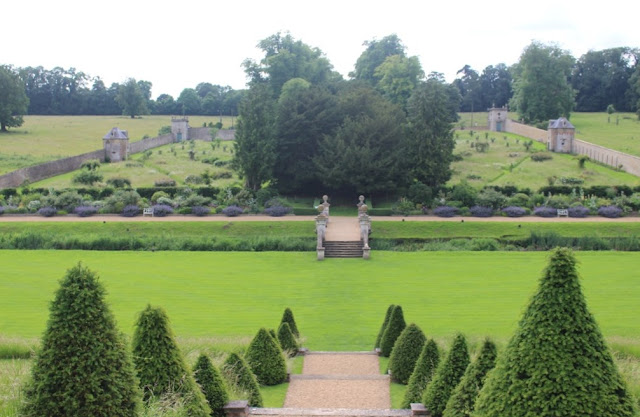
[
  {"x": 374, "y": 55},
  {"x": 398, "y": 77},
  {"x": 255, "y": 145},
  {"x": 557, "y": 362},
  {"x": 13, "y": 100},
  {"x": 132, "y": 99},
  {"x": 495, "y": 84},
  {"x": 542, "y": 90},
  {"x": 470, "y": 89},
  {"x": 429, "y": 141}
]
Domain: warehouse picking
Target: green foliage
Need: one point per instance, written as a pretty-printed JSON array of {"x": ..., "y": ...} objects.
[
  {"x": 490, "y": 197},
  {"x": 13, "y": 99},
  {"x": 164, "y": 130},
  {"x": 557, "y": 356},
  {"x": 420, "y": 193},
  {"x": 83, "y": 368},
  {"x": 239, "y": 374},
  {"x": 422, "y": 373},
  {"x": 159, "y": 363},
  {"x": 266, "y": 359},
  {"x": 287, "y": 339},
  {"x": 397, "y": 77},
  {"x": 446, "y": 377},
  {"x": 287, "y": 317},
  {"x": 462, "y": 401},
  {"x": 376, "y": 53},
  {"x": 464, "y": 193},
  {"x": 212, "y": 385},
  {"x": 131, "y": 98},
  {"x": 385, "y": 323},
  {"x": 87, "y": 177},
  {"x": 405, "y": 353},
  {"x": 392, "y": 331}
]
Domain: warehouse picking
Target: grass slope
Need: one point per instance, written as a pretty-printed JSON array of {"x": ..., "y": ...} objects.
[
  {"x": 233, "y": 294},
  {"x": 623, "y": 136}
]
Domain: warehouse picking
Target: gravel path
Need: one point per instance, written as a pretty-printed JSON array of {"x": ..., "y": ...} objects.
[
  {"x": 339, "y": 380},
  {"x": 343, "y": 229}
]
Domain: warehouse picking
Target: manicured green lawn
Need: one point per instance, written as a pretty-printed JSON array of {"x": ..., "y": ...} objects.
[{"x": 338, "y": 304}]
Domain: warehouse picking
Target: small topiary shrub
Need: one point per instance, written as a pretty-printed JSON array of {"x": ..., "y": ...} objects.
[
  {"x": 478, "y": 211},
  {"x": 119, "y": 182},
  {"x": 544, "y": 211},
  {"x": 541, "y": 157},
  {"x": 611, "y": 212},
  {"x": 85, "y": 211},
  {"x": 130, "y": 211},
  {"x": 446, "y": 211},
  {"x": 266, "y": 360},
  {"x": 513, "y": 211},
  {"x": 578, "y": 211},
  {"x": 405, "y": 353},
  {"x": 557, "y": 362},
  {"x": 162, "y": 210},
  {"x": 47, "y": 211},
  {"x": 165, "y": 183},
  {"x": 385, "y": 323},
  {"x": 392, "y": 332},
  {"x": 287, "y": 317},
  {"x": 212, "y": 385},
  {"x": 287, "y": 339},
  {"x": 447, "y": 377},
  {"x": 83, "y": 367},
  {"x": 463, "y": 400},
  {"x": 232, "y": 211},
  {"x": 277, "y": 211},
  {"x": 239, "y": 374},
  {"x": 200, "y": 211},
  {"x": 160, "y": 365},
  {"x": 422, "y": 373}
]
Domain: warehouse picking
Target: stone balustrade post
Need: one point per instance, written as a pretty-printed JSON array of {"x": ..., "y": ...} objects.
[
  {"x": 321, "y": 230},
  {"x": 239, "y": 408}
]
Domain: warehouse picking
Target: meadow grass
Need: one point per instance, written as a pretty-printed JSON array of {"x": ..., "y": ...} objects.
[
  {"x": 623, "y": 136},
  {"x": 44, "y": 138}
]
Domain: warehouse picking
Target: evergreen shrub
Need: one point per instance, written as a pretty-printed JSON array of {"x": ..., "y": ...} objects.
[
  {"x": 239, "y": 374},
  {"x": 392, "y": 331},
  {"x": 266, "y": 360},
  {"x": 287, "y": 317},
  {"x": 405, "y": 353},
  {"x": 212, "y": 385},
  {"x": 385, "y": 323},
  {"x": 422, "y": 373},
  {"x": 287, "y": 339}
]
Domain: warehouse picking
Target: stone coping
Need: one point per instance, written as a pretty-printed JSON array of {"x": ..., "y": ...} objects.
[
  {"x": 322, "y": 352},
  {"x": 340, "y": 377},
  {"x": 344, "y": 412}
]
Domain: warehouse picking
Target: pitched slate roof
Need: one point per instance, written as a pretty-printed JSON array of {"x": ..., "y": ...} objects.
[
  {"x": 116, "y": 133},
  {"x": 561, "y": 123}
]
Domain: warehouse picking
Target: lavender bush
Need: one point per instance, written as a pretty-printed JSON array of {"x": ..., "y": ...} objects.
[
  {"x": 514, "y": 211},
  {"x": 578, "y": 211},
  {"x": 611, "y": 212},
  {"x": 47, "y": 211},
  {"x": 445, "y": 211},
  {"x": 85, "y": 211},
  {"x": 1, "y": 210},
  {"x": 131, "y": 210},
  {"x": 232, "y": 211},
  {"x": 544, "y": 211},
  {"x": 277, "y": 211},
  {"x": 162, "y": 210},
  {"x": 479, "y": 211},
  {"x": 200, "y": 210}
]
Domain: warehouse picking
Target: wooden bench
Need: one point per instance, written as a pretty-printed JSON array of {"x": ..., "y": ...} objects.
[
  {"x": 563, "y": 212},
  {"x": 148, "y": 211}
]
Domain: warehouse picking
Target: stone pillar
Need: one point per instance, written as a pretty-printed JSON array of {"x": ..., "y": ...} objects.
[
  {"x": 238, "y": 408},
  {"x": 180, "y": 128},
  {"x": 418, "y": 409},
  {"x": 321, "y": 230}
]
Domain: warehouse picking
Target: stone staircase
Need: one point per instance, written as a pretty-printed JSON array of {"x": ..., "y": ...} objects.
[{"x": 343, "y": 249}]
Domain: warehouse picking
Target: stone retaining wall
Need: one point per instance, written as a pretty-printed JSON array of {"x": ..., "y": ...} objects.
[
  {"x": 200, "y": 133},
  {"x": 149, "y": 143},
  {"x": 527, "y": 131}
]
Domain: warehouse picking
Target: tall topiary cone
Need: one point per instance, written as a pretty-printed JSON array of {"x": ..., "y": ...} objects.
[
  {"x": 83, "y": 368},
  {"x": 447, "y": 377},
  {"x": 287, "y": 317},
  {"x": 160, "y": 365},
  {"x": 266, "y": 360},
  {"x": 405, "y": 353},
  {"x": 392, "y": 332},
  {"x": 557, "y": 362},
  {"x": 287, "y": 340},
  {"x": 239, "y": 374},
  {"x": 463, "y": 400},
  {"x": 422, "y": 373},
  {"x": 385, "y": 323},
  {"x": 212, "y": 385}
]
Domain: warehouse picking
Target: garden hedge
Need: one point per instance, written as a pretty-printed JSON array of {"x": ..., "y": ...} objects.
[
  {"x": 392, "y": 332},
  {"x": 422, "y": 373},
  {"x": 405, "y": 353},
  {"x": 266, "y": 360}
]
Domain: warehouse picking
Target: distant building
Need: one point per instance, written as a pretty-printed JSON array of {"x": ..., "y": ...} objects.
[
  {"x": 180, "y": 128},
  {"x": 116, "y": 145},
  {"x": 498, "y": 119},
  {"x": 561, "y": 134}
]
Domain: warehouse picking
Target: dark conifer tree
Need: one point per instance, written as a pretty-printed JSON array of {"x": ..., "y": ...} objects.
[
  {"x": 287, "y": 340},
  {"x": 392, "y": 332},
  {"x": 385, "y": 323},
  {"x": 405, "y": 353},
  {"x": 287, "y": 317},
  {"x": 266, "y": 360},
  {"x": 239, "y": 374},
  {"x": 422, "y": 373},
  {"x": 212, "y": 385}
]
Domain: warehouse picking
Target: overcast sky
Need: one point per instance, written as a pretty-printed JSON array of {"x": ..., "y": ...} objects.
[{"x": 180, "y": 44}]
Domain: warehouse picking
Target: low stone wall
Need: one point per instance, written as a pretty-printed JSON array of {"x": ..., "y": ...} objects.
[
  {"x": 527, "y": 131},
  {"x": 149, "y": 143},
  {"x": 615, "y": 159},
  {"x": 200, "y": 133},
  {"x": 48, "y": 169}
]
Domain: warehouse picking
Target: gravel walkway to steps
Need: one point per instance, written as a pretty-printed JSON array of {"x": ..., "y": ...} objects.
[{"x": 339, "y": 380}]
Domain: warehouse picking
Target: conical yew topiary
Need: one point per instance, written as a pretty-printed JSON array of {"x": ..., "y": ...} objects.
[
  {"x": 266, "y": 360},
  {"x": 239, "y": 374},
  {"x": 463, "y": 400},
  {"x": 447, "y": 377},
  {"x": 160, "y": 364},
  {"x": 557, "y": 362},
  {"x": 422, "y": 373},
  {"x": 392, "y": 332},
  {"x": 287, "y": 340},
  {"x": 83, "y": 368},
  {"x": 287, "y": 317},
  {"x": 212, "y": 385},
  {"x": 405, "y": 353},
  {"x": 385, "y": 323}
]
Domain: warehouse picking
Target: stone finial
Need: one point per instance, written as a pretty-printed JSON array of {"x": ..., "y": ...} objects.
[{"x": 418, "y": 409}]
